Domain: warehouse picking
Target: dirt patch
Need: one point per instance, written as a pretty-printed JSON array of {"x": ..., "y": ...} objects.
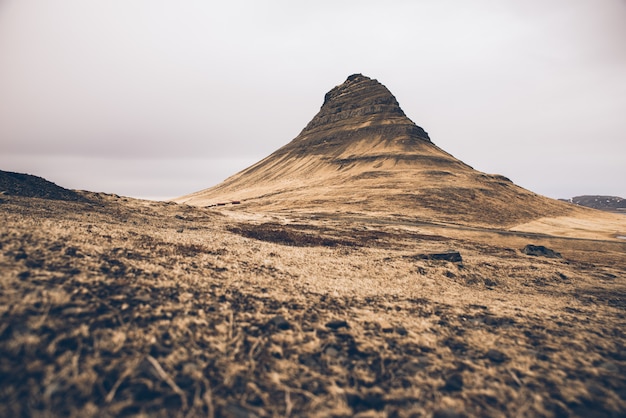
[{"x": 288, "y": 235}]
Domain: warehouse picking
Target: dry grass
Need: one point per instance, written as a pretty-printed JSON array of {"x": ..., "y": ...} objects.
[{"x": 129, "y": 308}]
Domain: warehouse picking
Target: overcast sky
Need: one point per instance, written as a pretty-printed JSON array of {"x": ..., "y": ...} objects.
[{"x": 159, "y": 98}]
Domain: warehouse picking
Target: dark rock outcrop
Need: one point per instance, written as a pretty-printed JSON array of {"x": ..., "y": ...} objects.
[
  {"x": 540, "y": 251},
  {"x": 452, "y": 256},
  {"x": 360, "y": 97},
  {"x": 26, "y": 185},
  {"x": 609, "y": 203},
  {"x": 353, "y": 111}
]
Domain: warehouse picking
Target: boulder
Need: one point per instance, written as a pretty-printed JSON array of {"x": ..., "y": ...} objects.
[
  {"x": 540, "y": 251},
  {"x": 452, "y": 256}
]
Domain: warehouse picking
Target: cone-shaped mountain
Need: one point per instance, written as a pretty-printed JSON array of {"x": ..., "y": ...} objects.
[{"x": 361, "y": 153}]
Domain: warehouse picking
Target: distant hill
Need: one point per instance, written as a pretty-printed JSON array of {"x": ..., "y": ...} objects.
[
  {"x": 27, "y": 185},
  {"x": 608, "y": 203}
]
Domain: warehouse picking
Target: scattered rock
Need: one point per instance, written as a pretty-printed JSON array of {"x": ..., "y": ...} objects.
[
  {"x": 454, "y": 383},
  {"x": 401, "y": 331},
  {"x": 452, "y": 256},
  {"x": 279, "y": 322},
  {"x": 331, "y": 351},
  {"x": 540, "y": 251},
  {"x": 337, "y": 323},
  {"x": 20, "y": 256},
  {"x": 366, "y": 402},
  {"x": 309, "y": 360},
  {"x": 497, "y": 356},
  {"x": 490, "y": 282},
  {"x": 34, "y": 263},
  {"x": 498, "y": 321}
]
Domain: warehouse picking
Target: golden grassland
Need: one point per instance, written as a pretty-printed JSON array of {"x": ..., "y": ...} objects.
[{"x": 122, "y": 307}]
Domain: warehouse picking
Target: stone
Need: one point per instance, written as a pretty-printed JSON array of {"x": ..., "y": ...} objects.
[
  {"x": 331, "y": 351},
  {"x": 279, "y": 322},
  {"x": 452, "y": 256},
  {"x": 497, "y": 356},
  {"x": 454, "y": 383},
  {"x": 540, "y": 251},
  {"x": 337, "y": 323}
]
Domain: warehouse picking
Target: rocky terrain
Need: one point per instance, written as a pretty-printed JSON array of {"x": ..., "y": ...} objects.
[
  {"x": 18, "y": 184},
  {"x": 608, "y": 203},
  {"x": 358, "y": 271}
]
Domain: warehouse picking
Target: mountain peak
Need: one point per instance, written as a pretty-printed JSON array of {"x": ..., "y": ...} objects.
[
  {"x": 361, "y": 101},
  {"x": 358, "y": 87}
]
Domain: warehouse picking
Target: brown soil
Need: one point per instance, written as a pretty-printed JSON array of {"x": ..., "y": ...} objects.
[{"x": 120, "y": 307}]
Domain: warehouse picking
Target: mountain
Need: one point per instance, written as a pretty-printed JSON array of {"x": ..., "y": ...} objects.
[
  {"x": 608, "y": 203},
  {"x": 361, "y": 153},
  {"x": 27, "y": 185}
]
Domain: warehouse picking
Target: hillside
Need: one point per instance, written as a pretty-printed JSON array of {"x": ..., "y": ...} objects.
[
  {"x": 19, "y": 184},
  {"x": 607, "y": 203},
  {"x": 122, "y": 307}
]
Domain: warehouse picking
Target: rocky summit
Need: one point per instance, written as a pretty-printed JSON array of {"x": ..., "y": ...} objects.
[
  {"x": 361, "y": 153},
  {"x": 360, "y": 106}
]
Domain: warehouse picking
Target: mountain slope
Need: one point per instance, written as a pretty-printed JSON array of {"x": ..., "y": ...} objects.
[
  {"x": 361, "y": 153},
  {"x": 608, "y": 203},
  {"x": 27, "y": 185}
]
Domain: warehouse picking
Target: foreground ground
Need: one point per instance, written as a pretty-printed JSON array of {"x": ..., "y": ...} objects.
[{"x": 120, "y": 307}]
